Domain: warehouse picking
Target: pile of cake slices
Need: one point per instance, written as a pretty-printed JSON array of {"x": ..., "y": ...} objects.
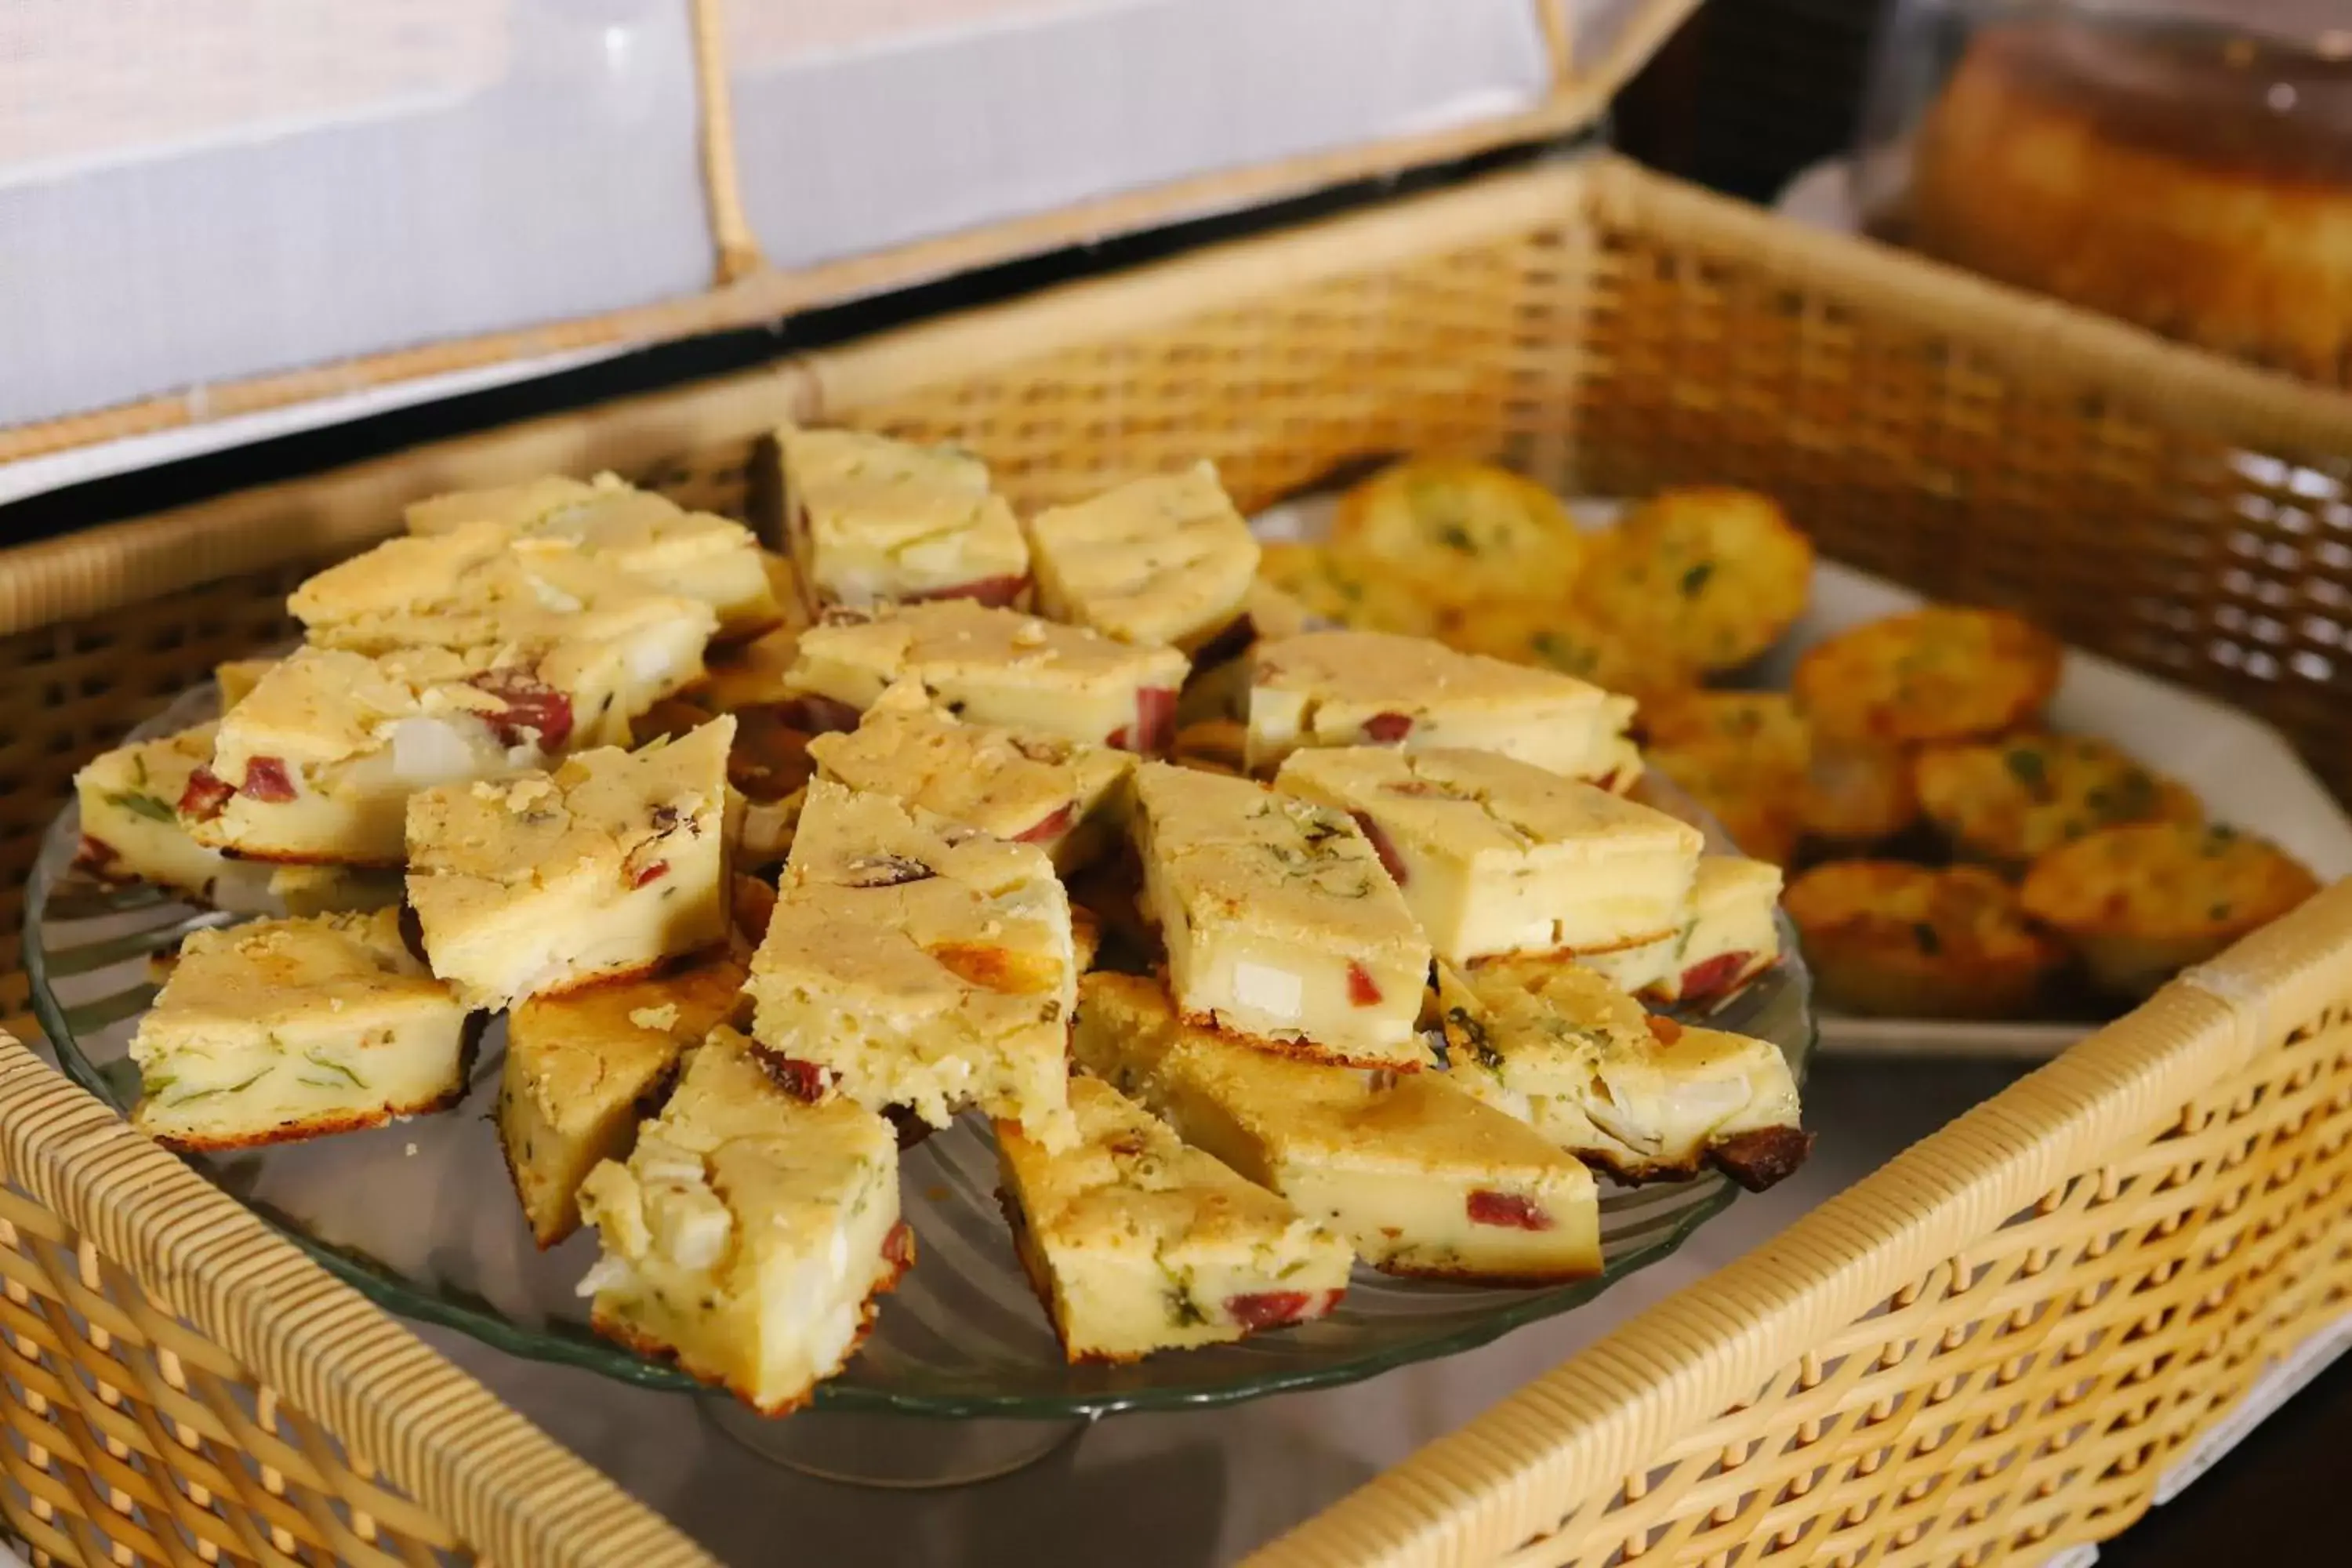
[{"x": 1266, "y": 949}]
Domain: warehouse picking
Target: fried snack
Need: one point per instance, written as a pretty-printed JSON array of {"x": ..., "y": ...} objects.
[
  {"x": 1708, "y": 576},
  {"x": 1760, "y": 821},
  {"x": 1461, "y": 533},
  {"x": 1345, "y": 592},
  {"x": 1553, "y": 633},
  {"x": 1856, "y": 793},
  {"x": 1940, "y": 674},
  {"x": 1764, "y": 727},
  {"x": 2009, "y": 801},
  {"x": 1915, "y": 942},
  {"x": 2144, "y": 899}
]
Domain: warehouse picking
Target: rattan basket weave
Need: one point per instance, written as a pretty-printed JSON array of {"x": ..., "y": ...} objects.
[{"x": 1984, "y": 1353}]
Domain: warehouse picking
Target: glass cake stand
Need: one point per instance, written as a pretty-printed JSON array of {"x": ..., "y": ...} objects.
[{"x": 962, "y": 1378}]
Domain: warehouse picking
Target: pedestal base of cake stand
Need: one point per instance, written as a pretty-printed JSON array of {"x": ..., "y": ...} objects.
[{"x": 907, "y": 1452}]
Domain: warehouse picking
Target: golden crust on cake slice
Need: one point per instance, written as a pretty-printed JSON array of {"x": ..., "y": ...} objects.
[
  {"x": 1278, "y": 919},
  {"x": 1353, "y": 689},
  {"x": 1496, "y": 856},
  {"x": 1422, "y": 1178},
  {"x": 1135, "y": 1242},
  {"x": 1024, "y": 785},
  {"x": 585, "y": 1068},
  {"x": 285, "y": 1029},
  {"x": 604, "y": 867},
  {"x": 917, "y": 966},
  {"x": 995, "y": 666},
  {"x": 1636, "y": 1093},
  {"x": 749, "y": 1232}
]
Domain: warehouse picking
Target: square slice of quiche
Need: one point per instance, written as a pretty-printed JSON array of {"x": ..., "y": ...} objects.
[
  {"x": 1382, "y": 689},
  {"x": 1638, "y": 1094},
  {"x": 918, "y": 966},
  {"x": 1159, "y": 560},
  {"x": 868, "y": 521},
  {"x": 285, "y": 1029},
  {"x": 583, "y": 1067},
  {"x": 1024, "y": 785},
  {"x": 1496, "y": 856},
  {"x": 1278, "y": 919},
  {"x": 1421, "y": 1177},
  {"x": 749, "y": 1232},
  {"x": 1137, "y": 1243},
  {"x": 999, "y": 667},
  {"x": 600, "y": 869}
]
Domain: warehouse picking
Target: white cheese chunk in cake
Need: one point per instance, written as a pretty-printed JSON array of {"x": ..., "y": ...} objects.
[
  {"x": 868, "y": 520},
  {"x": 289, "y": 1028},
  {"x": 1355, "y": 689},
  {"x": 999, "y": 667},
  {"x": 318, "y": 761},
  {"x": 542, "y": 882},
  {"x": 1421, "y": 1178},
  {"x": 916, "y": 966},
  {"x": 131, "y": 826},
  {"x": 1495, "y": 856},
  {"x": 1137, "y": 1243},
  {"x": 749, "y": 1232},
  {"x": 1026, "y": 785},
  {"x": 1159, "y": 560},
  {"x": 1725, "y": 937},
  {"x": 1638, "y": 1094},
  {"x": 1278, "y": 921},
  {"x": 585, "y": 1068},
  {"x": 236, "y": 677},
  {"x": 693, "y": 554},
  {"x": 336, "y": 889},
  {"x": 612, "y": 645}
]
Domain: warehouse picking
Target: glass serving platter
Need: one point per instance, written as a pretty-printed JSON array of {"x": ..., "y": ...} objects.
[{"x": 419, "y": 1215}]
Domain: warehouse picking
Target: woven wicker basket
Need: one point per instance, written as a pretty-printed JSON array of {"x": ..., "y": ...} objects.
[{"x": 1984, "y": 1353}]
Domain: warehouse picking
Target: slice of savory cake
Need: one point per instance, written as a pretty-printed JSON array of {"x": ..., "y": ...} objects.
[
  {"x": 131, "y": 826},
  {"x": 1159, "y": 560},
  {"x": 289, "y": 1028},
  {"x": 318, "y": 762},
  {"x": 1278, "y": 919},
  {"x": 1137, "y": 1243},
  {"x": 909, "y": 965},
  {"x": 869, "y": 520},
  {"x": 583, "y": 1067},
  {"x": 542, "y": 882},
  {"x": 1495, "y": 856},
  {"x": 1725, "y": 937},
  {"x": 1024, "y": 785},
  {"x": 1638, "y": 1094},
  {"x": 693, "y": 554},
  {"x": 1355, "y": 689},
  {"x": 749, "y": 1232},
  {"x": 998, "y": 667},
  {"x": 1422, "y": 1178}
]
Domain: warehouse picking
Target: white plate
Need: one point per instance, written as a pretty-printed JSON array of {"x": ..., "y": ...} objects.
[{"x": 2245, "y": 772}]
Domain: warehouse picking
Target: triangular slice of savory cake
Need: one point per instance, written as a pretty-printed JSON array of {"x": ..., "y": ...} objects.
[
  {"x": 1137, "y": 1243},
  {"x": 1636, "y": 1093},
  {"x": 583, "y": 1067},
  {"x": 289, "y": 1028},
  {"x": 1421, "y": 1178},
  {"x": 542, "y": 882},
  {"x": 749, "y": 1232},
  {"x": 1279, "y": 921},
  {"x": 932, "y": 968}
]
